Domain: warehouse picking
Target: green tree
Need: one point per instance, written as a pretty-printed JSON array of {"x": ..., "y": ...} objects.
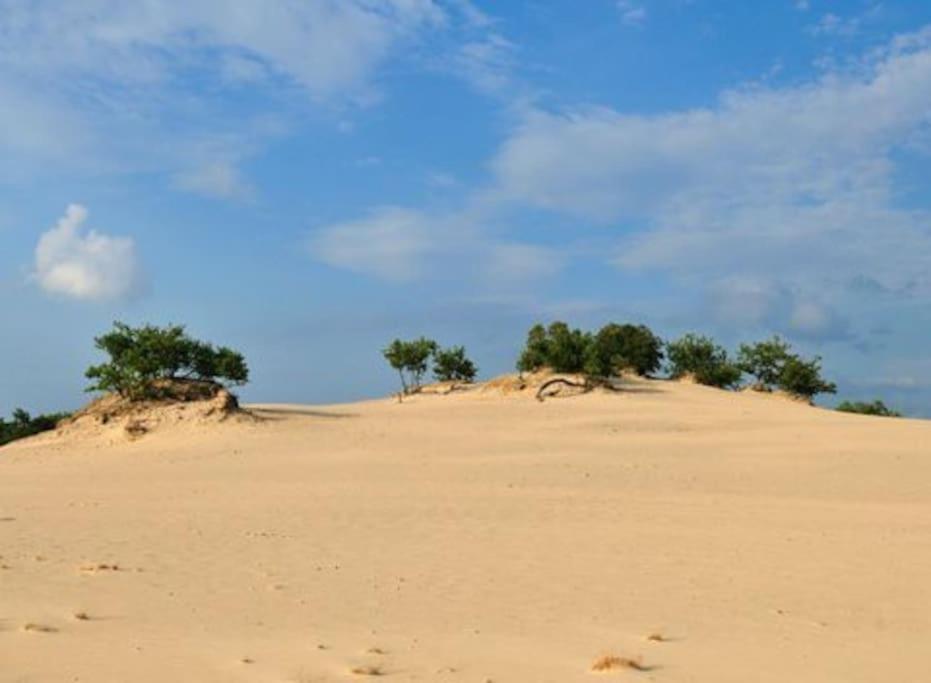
[
  {"x": 876, "y": 407},
  {"x": 623, "y": 347},
  {"x": 803, "y": 378},
  {"x": 557, "y": 347},
  {"x": 410, "y": 359},
  {"x": 452, "y": 364},
  {"x": 702, "y": 358},
  {"x": 140, "y": 356},
  {"x": 764, "y": 360}
]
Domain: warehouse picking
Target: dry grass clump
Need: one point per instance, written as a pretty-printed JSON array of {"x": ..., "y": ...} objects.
[
  {"x": 82, "y": 616},
  {"x": 614, "y": 663},
  {"x": 656, "y": 637}
]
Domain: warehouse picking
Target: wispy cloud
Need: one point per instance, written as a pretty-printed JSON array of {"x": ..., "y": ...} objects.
[
  {"x": 780, "y": 181},
  {"x": 144, "y": 86},
  {"x": 632, "y": 13}
]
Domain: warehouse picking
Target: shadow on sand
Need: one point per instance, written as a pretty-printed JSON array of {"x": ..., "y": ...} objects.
[{"x": 282, "y": 413}]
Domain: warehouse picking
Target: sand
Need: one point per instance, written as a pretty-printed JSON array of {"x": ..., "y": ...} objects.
[{"x": 667, "y": 533}]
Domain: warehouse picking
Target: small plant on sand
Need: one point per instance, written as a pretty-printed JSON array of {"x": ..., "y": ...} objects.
[
  {"x": 803, "y": 378},
  {"x": 141, "y": 357},
  {"x": 877, "y": 408},
  {"x": 23, "y": 424},
  {"x": 704, "y": 360},
  {"x": 616, "y": 348},
  {"x": 410, "y": 359},
  {"x": 452, "y": 365}
]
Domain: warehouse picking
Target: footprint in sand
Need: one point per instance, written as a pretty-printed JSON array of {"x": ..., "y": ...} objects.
[
  {"x": 94, "y": 568},
  {"x": 368, "y": 670},
  {"x": 39, "y": 628}
]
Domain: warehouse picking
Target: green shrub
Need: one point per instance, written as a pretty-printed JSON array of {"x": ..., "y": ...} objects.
[
  {"x": 556, "y": 347},
  {"x": 410, "y": 358},
  {"x": 616, "y": 348},
  {"x": 764, "y": 360},
  {"x": 803, "y": 378},
  {"x": 452, "y": 364},
  {"x": 700, "y": 357},
  {"x": 140, "y": 356},
  {"x": 23, "y": 424},
  {"x": 877, "y": 407}
]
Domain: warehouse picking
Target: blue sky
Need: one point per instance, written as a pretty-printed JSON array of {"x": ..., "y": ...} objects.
[{"x": 306, "y": 180}]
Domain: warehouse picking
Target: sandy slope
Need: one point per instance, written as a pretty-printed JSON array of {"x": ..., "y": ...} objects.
[{"x": 477, "y": 538}]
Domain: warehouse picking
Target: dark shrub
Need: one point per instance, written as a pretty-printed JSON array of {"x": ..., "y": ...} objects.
[
  {"x": 616, "y": 348},
  {"x": 140, "y": 357},
  {"x": 452, "y": 364},
  {"x": 803, "y": 378},
  {"x": 877, "y": 408},
  {"x": 700, "y": 357},
  {"x": 764, "y": 360},
  {"x": 556, "y": 347},
  {"x": 23, "y": 424}
]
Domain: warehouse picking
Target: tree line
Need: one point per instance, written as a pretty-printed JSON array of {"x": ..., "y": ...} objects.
[{"x": 149, "y": 362}]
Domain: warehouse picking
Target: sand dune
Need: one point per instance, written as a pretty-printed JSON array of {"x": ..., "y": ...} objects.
[{"x": 666, "y": 533}]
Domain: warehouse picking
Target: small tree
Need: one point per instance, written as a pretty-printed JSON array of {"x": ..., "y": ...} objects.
[
  {"x": 803, "y": 378},
  {"x": 623, "y": 347},
  {"x": 141, "y": 356},
  {"x": 556, "y": 347},
  {"x": 410, "y": 358},
  {"x": 700, "y": 357},
  {"x": 452, "y": 364},
  {"x": 764, "y": 360},
  {"x": 876, "y": 407}
]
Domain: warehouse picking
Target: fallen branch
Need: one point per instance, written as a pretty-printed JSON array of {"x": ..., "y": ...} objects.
[{"x": 587, "y": 385}]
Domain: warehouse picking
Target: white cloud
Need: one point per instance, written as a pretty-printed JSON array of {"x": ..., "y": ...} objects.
[
  {"x": 90, "y": 266},
  {"x": 632, "y": 13},
  {"x": 216, "y": 179},
  {"x": 327, "y": 46},
  {"x": 487, "y": 63},
  {"x": 392, "y": 243},
  {"x": 797, "y": 184},
  {"x": 400, "y": 245},
  {"x": 115, "y": 86}
]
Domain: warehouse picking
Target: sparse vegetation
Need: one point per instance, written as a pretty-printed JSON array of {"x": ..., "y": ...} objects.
[
  {"x": 612, "y": 350},
  {"x": 410, "y": 359},
  {"x": 773, "y": 364},
  {"x": 23, "y": 424},
  {"x": 143, "y": 358},
  {"x": 703, "y": 359},
  {"x": 613, "y": 663},
  {"x": 803, "y": 378},
  {"x": 452, "y": 365},
  {"x": 616, "y": 348},
  {"x": 557, "y": 347},
  {"x": 877, "y": 408},
  {"x": 764, "y": 360}
]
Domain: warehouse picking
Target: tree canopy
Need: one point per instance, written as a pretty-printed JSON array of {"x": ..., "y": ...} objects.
[
  {"x": 140, "y": 356},
  {"x": 703, "y": 359}
]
